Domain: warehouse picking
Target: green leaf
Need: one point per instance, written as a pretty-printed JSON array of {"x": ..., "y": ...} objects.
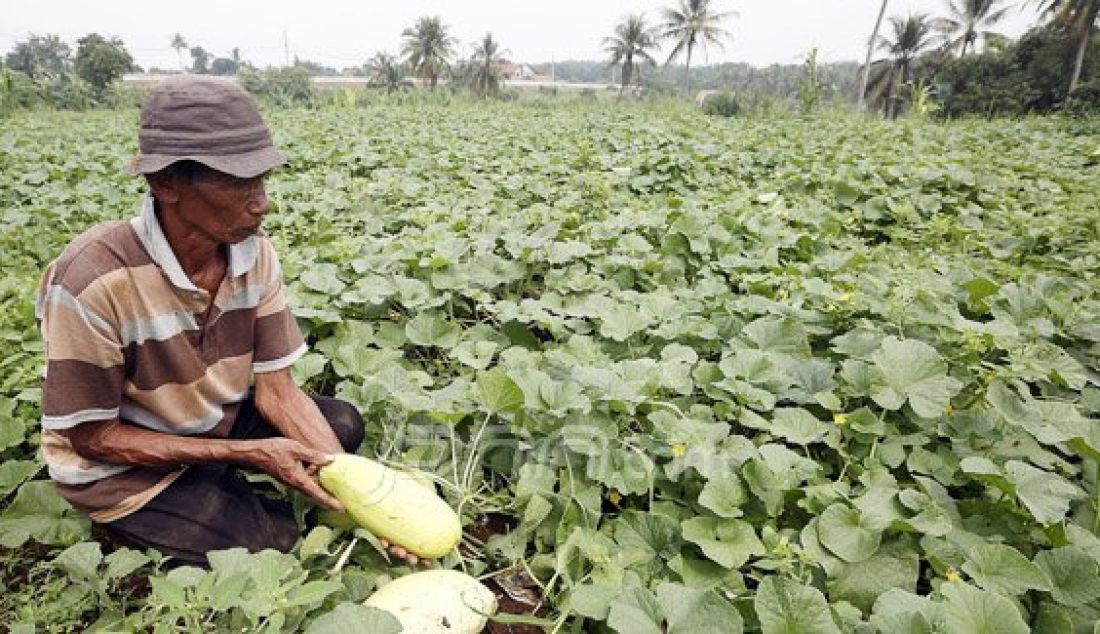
[
  {"x": 352, "y": 617},
  {"x": 322, "y": 278},
  {"x": 432, "y": 329},
  {"x": 475, "y": 354},
  {"x": 724, "y": 495},
  {"x": 913, "y": 371},
  {"x": 317, "y": 541},
  {"x": 497, "y": 392},
  {"x": 635, "y": 611},
  {"x": 1075, "y": 575},
  {"x": 1046, "y": 495},
  {"x": 648, "y": 532},
  {"x": 12, "y": 430},
  {"x": 728, "y": 542},
  {"x": 797, "y": 425},
  {"x": 894, "y": 566},
  {"x": 312, "y": 592},
  {"x": 81, "y": 560},
  {"x": 764, "y": 484},
  {"x": 593, "y": 600},
  {"x": 785, "y": 335},
  {"x": 124, "y": 561},
  {"x": 693, "y": 611},
  {"x": 968, "y": 610},
  {"x": 848, "y": 533},
  {"x": 15, "y": 472},
  {"x": 1003, "y": 569},
  {"x": 785, "y": 606},
  {"x": 39, "y": 512},
  {"x": 905, "y": 611},
  {"x": 622, "y": 321}
]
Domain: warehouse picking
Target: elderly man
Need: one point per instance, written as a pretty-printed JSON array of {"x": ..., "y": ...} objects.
[{"x": 154, "y": 330}]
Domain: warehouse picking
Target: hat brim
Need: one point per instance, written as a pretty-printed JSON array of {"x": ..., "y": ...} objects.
[{"x": 245, "y": 165}]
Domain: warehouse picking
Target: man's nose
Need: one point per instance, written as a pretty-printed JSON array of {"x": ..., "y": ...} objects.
[{"x": 258, "y": 203}]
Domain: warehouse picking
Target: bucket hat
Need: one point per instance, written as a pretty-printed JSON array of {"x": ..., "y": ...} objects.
[{"x": 205, "y": 119}]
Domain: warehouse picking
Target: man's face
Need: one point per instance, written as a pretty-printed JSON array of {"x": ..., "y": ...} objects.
[{"x": 222, "y": 208}]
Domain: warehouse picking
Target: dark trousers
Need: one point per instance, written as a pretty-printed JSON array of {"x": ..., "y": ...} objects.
[{"x": 211, "y": 507}]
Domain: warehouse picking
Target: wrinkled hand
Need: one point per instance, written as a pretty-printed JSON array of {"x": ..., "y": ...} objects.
[
  {"x": 295, "y": 465},
  {"x": 401, "y": 553}
]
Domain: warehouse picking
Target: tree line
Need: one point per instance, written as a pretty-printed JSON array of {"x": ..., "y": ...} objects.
[{"x": 956, "y": 63}]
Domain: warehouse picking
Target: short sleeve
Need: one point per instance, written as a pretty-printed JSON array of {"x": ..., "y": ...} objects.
[
  {"x": 85, "y": 367},
  {"x": 278, "y": 340}
]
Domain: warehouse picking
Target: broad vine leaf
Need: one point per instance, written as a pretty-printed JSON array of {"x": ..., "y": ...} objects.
[
  {"x": 497, "y": 392},
  {"x": 969, "y": 610},
  {"x": 847, "y": 533},
  {"x": 913, "y": 371},
  {"x": 1003, "y": 569},
  {"x": 729, "y": 542},
  {"x": 352, "y": 617},
  {"x": 785, "y": 606}
]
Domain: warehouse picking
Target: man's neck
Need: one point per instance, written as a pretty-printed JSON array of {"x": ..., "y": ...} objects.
[{"x": 195, "y": 252}]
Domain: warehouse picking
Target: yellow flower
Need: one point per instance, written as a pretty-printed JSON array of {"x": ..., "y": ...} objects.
[
  {"x": 952, "y": 576},
  {"x": 948, "y": 410},
  {"x": 615, "y": 496},
  {"x": 678, "y": 449},
  {"x": 845, "y": 297},
  {"x": 840, "y": 418}
]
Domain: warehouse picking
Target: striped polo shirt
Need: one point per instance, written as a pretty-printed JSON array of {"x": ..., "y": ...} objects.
[{"x": 128, "y": 336}]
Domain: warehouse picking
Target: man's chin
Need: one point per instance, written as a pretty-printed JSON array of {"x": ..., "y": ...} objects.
[{"x": 243, "y": 235}]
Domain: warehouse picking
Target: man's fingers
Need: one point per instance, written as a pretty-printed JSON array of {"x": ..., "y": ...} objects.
[
  {"x": 314, "y": 457},
  {"x": 310, "y": 487},
  {"x": 383, "y": 543}
]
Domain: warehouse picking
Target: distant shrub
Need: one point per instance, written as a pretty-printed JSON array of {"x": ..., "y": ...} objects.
[
  {"x": 721, "y": 104},
  {"x": 1085, "y": 99},
  {"x": 286, "y": 85}
]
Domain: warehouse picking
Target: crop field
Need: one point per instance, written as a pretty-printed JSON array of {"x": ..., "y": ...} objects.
[{"x": 677, "y": 373}]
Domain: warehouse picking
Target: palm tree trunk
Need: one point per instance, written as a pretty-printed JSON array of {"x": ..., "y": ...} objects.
[
  {"x": 867, "y": 63},
  {"x": 891, "y": 86},
  {"x": 687, "y": 71},
  {"x": 628, "y": 71},
  {"x": 1084, "y": 31}
]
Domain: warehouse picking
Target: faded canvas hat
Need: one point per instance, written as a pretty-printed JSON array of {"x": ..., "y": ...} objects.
[{"x": 205, "y": 119}]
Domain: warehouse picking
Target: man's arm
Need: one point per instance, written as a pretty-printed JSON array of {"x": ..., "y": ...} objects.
[
  {"x": 116, "y": 442},
  {"x": 287, "y": 408},
  {"x": 290, "y": 410}
]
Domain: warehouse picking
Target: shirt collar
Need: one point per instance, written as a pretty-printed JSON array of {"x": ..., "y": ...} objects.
[{"x": 242, "y": 255}]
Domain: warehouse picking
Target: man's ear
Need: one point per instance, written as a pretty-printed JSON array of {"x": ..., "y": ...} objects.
[{"x": 165, "y": 186}]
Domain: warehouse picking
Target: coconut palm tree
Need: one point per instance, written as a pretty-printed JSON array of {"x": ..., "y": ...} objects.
[
  {"x": 870, "y": 50},
  {"x": 968, "y": 22},
  {"x": 428, "y": 48},
  {"x": 384, "y": 70},
  {"x": 485, "y": 71},
  {"x": 692, "y": 23},
  {"x": 179, "y": 44},
  {"x": 1076, "y": 17},
  {"x": 910, "y": 37},
  {"x": 633, "y": 38}
]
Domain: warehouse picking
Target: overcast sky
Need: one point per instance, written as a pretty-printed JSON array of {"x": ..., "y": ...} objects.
[{"x": 342, "y": 33}]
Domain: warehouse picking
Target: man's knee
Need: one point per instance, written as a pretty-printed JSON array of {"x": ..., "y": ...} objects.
[{"x": 345, "y": 421}]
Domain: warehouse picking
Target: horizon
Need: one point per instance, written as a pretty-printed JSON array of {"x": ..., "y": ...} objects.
[{"x": 763, "y": 35}]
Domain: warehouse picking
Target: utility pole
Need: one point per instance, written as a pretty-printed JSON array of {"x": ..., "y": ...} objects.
[
  {"x": 286, "y": 49},
  {"x": 553, "y": 70},
  {"x": 867, "y": 64}
]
